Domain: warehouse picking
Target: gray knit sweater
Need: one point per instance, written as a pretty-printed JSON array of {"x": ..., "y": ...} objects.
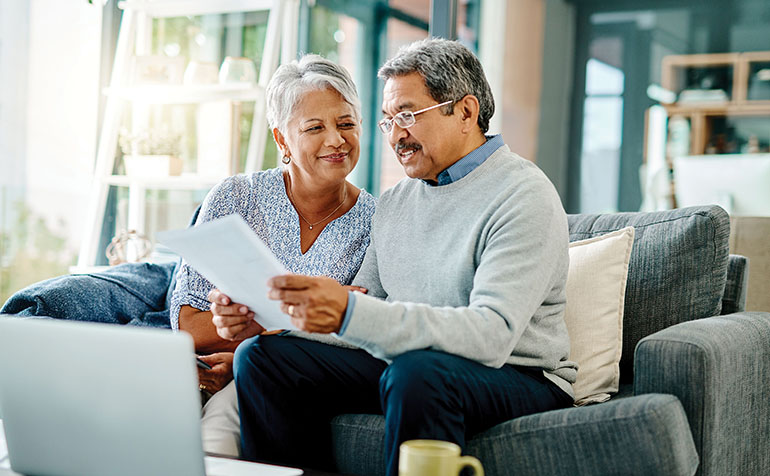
[{"x": 476, "y": 268}]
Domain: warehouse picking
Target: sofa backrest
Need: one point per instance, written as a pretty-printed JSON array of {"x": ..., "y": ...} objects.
[{"x": 677, "y": 271}]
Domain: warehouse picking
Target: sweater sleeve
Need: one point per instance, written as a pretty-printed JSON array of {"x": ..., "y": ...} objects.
[{"x": 523, "y": 257}]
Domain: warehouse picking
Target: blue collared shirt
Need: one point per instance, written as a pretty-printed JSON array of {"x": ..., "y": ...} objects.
[
  {"x": 453, "y": 173},
  {"x": 467, "y": 164}
]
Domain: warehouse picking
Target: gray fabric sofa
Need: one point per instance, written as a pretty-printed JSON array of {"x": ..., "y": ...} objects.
[{"x": 694, "y": 396}]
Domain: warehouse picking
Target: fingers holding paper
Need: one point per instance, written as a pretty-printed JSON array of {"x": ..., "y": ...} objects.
[
  {"x": 315, "y": 303},
  {"x": 233, "y": 321}
]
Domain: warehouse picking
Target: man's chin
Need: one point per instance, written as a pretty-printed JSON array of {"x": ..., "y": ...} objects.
[
  {"x": 411, "y": 172},
  {"x": 417, "y": 174}
]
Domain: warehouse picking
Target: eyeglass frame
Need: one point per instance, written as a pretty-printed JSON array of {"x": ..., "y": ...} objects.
[{"x": 386, "y": 125}]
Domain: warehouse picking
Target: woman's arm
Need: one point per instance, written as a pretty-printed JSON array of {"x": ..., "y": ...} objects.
[{"x": 198, "y": 324}]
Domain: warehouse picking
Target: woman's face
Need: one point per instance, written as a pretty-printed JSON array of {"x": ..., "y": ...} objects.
[{"x": 322, "y": 136}]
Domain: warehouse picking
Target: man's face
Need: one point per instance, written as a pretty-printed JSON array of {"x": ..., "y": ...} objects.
[{"x": 432, "y": 143}]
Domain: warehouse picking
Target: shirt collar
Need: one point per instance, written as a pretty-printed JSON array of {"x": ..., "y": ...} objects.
[{"x": 467, "y": 164}]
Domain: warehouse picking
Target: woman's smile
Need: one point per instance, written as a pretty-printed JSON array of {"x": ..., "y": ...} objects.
[{"x": 336, "y": 157}]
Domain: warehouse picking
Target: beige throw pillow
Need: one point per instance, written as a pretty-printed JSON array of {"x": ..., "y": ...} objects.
[{"x": 596, "y": 290}]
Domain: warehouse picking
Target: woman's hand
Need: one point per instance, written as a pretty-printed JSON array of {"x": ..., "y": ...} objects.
[
  {"x": 233, "y": 321},
  {"x": 219, "y": 375},
  {"x": 315, "y": 303}
]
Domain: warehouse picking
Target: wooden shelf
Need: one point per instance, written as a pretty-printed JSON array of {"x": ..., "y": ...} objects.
[
  {"x": 187, "y": 94},
  {"x": 702, "y": 115},
  {"x": 748, "y": 108}
]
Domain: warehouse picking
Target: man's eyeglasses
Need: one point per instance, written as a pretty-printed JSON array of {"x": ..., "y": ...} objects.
[{"x": 405, "y": 119}]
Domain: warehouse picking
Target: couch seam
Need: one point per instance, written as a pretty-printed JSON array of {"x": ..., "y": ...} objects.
[
  {"x": 646, "y": 413},
  {"x": 583, "y": 424},
  {"x": 701, "y": 214}
]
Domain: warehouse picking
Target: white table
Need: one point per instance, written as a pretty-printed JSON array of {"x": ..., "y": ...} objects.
[{"x": 235, "y": 468}]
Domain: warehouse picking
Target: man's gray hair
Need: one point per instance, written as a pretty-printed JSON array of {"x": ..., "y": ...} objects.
[
  {"x": 451, "y": 72},
  {"x": 311, "y": 72}
]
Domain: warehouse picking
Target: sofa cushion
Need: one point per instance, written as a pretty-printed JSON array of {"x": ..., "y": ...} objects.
[
  {"x": 596, "y": 287},
  {"x": 677, "y": 270},
  {"x": 645, "y": 434}
]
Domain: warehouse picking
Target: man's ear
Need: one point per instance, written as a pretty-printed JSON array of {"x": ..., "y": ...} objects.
[
  {"x": 468, "y": 110},
  {"x": 280, "y": 141}
]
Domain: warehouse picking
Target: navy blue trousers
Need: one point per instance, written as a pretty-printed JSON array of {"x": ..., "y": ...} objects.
[{"x": 290, "y": 388}]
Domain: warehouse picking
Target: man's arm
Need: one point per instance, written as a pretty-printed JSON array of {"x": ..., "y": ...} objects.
[{"x": 524, "y": 259}]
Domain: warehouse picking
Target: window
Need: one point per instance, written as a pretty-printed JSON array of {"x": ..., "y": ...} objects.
[{"x": 49, "y": 81}]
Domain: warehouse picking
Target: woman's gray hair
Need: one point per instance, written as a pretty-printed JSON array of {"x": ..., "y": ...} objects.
[
  {"x": 451, "y": 72},
  {"x": 311, "y": 72}
]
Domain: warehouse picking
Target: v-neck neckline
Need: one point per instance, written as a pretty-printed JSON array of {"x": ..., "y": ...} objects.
[{"x": 297, "y": 226}]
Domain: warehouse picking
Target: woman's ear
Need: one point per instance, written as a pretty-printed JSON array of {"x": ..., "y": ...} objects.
[
  {"x": 469, "y": 111},
  {"x": 280, "y": 141}
]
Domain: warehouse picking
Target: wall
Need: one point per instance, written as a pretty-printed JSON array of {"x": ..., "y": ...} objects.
[
  {"x": 556, "y": 98},
  {"x": 530, "y": 73},
  {"x": 522, "y": 78}
]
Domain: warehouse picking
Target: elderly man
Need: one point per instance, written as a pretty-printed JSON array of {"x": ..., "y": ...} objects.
[{"x": 463, "y": 324}]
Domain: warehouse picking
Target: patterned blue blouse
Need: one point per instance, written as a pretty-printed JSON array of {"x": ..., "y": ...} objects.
[{"x": 260, "y": 198}]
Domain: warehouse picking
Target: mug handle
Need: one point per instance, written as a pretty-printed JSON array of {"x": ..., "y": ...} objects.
[{"x": 474, "y": 463}]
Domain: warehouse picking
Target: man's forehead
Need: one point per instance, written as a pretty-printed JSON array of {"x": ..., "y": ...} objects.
[{"x": 403, "y": 92}]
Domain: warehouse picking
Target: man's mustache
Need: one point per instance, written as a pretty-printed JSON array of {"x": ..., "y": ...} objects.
[{"x": 407, "y": 145}]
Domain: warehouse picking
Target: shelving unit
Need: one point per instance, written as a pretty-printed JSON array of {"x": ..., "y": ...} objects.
[
  {"x": 134, "y": 40},
  {"x": 709, "y": 123},
  {"x": 702, "y": 114}
]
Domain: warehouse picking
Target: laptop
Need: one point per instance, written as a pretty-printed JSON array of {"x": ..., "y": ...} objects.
[{"x": 101, "y": 399}]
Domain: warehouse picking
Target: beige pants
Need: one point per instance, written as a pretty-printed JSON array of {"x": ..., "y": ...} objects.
[{"x": 221, "y": 424}]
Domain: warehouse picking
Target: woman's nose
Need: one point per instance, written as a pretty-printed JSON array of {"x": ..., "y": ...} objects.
[{"x": 334, "y": 138}]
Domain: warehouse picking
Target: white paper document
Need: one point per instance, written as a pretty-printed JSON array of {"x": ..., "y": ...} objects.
[
  {"x": 232, "y": 467},
  {"x": 228, "y": 253}
]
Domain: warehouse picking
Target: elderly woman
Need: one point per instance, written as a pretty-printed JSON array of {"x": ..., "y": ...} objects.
[{"x": 308, "y": 214}]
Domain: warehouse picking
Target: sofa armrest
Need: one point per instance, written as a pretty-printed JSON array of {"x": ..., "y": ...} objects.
[
  {"x": 718, "y": 367},
  {"x": 737, "y": 286}
]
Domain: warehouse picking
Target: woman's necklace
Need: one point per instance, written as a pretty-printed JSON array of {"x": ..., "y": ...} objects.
[{"x": 311, "y": 225}]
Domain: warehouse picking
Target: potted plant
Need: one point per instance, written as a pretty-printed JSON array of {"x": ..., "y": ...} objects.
[{"x": 151, "y": 152}]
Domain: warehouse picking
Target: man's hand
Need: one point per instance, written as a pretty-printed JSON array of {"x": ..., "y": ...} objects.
[
  {"x": 315, "y": 303},
  {"x": 233, "y": 321},
  {"x": 220, "y": 374}
]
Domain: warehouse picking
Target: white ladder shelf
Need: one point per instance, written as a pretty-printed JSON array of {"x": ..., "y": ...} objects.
[{"x": 134, "y": 39}]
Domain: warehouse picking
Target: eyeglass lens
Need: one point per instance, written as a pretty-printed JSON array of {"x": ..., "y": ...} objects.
[{"x": 405, "y": 119}]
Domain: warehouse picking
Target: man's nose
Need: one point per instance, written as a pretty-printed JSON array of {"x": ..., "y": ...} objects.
[{"x": 397, "y": 133}]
